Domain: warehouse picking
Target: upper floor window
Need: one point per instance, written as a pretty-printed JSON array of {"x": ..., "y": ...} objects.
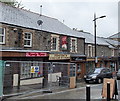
[
  {"x": 73, "y": 45},
  {"x": 112, "y": 52},
  {"x": 55, "y": 43},
  {"x": 89, "y": 50},
  {"x": 2, "y": 35},
  {"x": 28, "y": 39}
]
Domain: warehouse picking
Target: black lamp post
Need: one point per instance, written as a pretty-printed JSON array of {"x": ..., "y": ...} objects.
[{"x": 95, "y": 18}]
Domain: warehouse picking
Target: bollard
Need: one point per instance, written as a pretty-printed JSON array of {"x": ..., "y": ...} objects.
[
  {"x": 88, "y": 93},
  {"x": 108, "y": 91}
]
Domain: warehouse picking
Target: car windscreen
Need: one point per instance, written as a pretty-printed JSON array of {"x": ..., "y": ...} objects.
[{"x": 95, "y": 71}]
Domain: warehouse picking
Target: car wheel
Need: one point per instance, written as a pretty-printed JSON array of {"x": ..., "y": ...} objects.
[
  {"x": 99, "y": 80},
  {"x": 87, "y": 81}
]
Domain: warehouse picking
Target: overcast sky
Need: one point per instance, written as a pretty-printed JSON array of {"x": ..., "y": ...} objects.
[{"x": 80, "y": 13}]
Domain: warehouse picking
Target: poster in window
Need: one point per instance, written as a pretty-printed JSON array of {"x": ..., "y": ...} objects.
[{"x": 64, "y": 43}]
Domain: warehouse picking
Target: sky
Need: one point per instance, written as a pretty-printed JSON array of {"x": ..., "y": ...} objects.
[{"x": 80, "y": 13}]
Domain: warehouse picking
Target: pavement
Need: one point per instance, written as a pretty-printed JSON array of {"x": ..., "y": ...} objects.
[{"x": 58, "y": 92}]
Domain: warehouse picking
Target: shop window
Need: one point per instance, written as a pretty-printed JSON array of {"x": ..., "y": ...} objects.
[
  {"x": 72, "y": 70},
  {"x": 73, "y": 45},
  {"x": 28, "y": 39},
  {"x": 55, "y": 43},
  {"x": 26, "y": 71},
  {"x": 79, "y": 68},
  {"x": 2, "y": 35}
]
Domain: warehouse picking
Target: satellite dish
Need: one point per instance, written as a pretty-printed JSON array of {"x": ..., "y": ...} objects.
[{"x": 39, "y": 22}]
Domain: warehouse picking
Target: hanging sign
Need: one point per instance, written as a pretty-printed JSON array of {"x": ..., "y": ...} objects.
[{"x": 64, "y": 43}]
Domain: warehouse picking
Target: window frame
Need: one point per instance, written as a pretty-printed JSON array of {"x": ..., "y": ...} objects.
[
  {"x": 3, "y": 36},
  {"x": 90, "y": 50},
  {"x": 75, "y": 45},
  {"x": 57, "y": 42},
  {"x": 28, "y": 39},
  {"x": 112, "y": 52}
]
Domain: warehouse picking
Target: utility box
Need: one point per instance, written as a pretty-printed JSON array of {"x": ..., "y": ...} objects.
[
  {"x": 1, "y": 77},
  {"x": 72, "y": 82}
]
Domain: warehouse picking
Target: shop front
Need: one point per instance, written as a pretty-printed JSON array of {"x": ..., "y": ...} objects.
[{"x": 80, "y": 63}]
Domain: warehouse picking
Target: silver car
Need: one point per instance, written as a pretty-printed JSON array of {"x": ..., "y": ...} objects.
[{"x": 118, "y": 74}]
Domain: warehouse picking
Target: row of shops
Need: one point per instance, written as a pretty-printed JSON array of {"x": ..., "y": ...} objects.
[{"x": 83, "y": 64}]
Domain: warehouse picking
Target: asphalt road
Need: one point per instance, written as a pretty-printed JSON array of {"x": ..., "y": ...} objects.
[{"x": 77, "y": 93}]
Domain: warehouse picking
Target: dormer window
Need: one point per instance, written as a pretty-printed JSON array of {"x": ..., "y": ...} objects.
[
  {"x": 2, "y": 35},
  {"x": 27, "y": 39}
]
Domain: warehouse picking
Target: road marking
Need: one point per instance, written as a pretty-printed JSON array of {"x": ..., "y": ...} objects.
[{"x": 35, "y": 96}]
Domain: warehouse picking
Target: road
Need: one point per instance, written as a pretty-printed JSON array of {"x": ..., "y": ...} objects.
[{"x": 77, "y": 93}]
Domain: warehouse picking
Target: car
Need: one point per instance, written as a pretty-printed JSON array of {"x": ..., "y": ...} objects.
[
  {"x": 118, "y": 74},
  {"x": 97, "y": 75}
]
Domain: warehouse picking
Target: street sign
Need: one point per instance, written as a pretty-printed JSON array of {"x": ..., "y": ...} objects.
[{"x": 34, "y": 69}]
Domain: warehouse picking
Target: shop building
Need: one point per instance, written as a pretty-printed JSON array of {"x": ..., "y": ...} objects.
[{"x": 28, "y": 36}]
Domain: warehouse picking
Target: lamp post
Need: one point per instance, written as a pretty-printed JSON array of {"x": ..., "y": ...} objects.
[{"x": 95, "y": 18}]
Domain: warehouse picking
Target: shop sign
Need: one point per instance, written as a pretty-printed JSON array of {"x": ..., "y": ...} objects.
[
  {"x": 36, "y": 54},
  {"x": 77, "y": 58},
  {"x": 92, "y": 60},
  {"x": 59, "y": 56}
]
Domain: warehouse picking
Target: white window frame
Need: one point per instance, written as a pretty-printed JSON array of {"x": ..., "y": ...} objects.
[
  {"x": 75, "y": 45},
  {"x": 112, "y": 52},
  {"x": 90, "y": 51},
  {"x": 2, "y": 35},
  {"x": 93, "y": 50},
  {"x": 57, "y": 42},
  {"x": 28, "y": 39}
]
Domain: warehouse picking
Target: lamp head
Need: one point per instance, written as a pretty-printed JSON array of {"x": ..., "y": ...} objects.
[{"x": 102, "y": 16}]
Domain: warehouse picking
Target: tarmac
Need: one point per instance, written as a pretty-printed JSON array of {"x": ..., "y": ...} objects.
[{"x": 52, "y": 92}]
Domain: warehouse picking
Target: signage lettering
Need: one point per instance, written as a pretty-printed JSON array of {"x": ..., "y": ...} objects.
[
  {"x": 36, "y": 54},
  {"x": 59, "y": 56}
]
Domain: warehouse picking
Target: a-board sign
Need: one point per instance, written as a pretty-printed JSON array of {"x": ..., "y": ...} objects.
[{"x": 112, "y": 87}]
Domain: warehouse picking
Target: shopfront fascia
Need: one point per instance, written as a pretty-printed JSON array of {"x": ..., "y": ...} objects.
[{"x": 23, "y": 55}]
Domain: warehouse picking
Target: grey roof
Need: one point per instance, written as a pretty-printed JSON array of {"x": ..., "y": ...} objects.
[
  {"x": 115, "y": 35},
  {"x": 24, "y": 18},
  {"x": 89, "y": 38},
  {"x": 28, "y": 19},
  {"x": 113, "y": 42}
]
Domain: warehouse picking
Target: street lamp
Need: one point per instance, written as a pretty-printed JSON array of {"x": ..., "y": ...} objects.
[{"x": 95, "y": 18}]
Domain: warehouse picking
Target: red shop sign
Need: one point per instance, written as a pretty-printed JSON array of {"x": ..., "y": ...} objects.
[{"x": 36, "y": 54}]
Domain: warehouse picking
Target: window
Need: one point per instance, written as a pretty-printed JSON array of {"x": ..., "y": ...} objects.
[
  {"x": 28, "y": 39},
  {"x": 73, "y": 45},
  {"x": 93, "y": 50},
  {"x": 112, "y": 52},
  {"x": 2, "y": 35},
  {"x": 55, "y": 43},
  {"x": 26, "y": 70},
  {"x": 89, "y": 50}
]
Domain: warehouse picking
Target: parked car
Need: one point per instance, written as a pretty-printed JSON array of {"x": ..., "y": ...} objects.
[
  {"x": 118, "y": 74},
  {"x": 97, "y": 75}
]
